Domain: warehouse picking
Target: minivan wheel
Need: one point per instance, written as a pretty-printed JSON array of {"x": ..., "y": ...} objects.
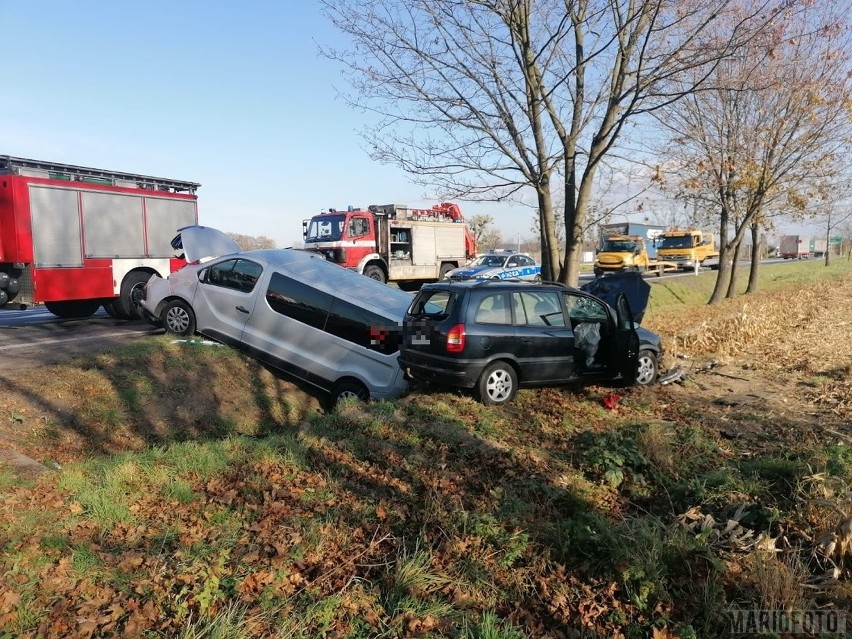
[
  {"x": 349, "y": 389},
  {"x": 648, "y": 368},
  {"x": 178, "y": 318},
  {"x": 497, "y": 384}
]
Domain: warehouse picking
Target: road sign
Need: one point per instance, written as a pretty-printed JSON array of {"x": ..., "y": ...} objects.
[{"x": 837, "y": 239}]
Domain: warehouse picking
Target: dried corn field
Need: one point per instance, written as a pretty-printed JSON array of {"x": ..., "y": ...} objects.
[{"x": 805, "y": 333}]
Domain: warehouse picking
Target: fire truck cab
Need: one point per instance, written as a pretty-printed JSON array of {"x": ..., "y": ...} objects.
[{"x": 393, "y": 243}]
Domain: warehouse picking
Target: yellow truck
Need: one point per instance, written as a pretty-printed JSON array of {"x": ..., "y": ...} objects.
[
  {"x": 627, "y": 253},
  {"x": 686, "y": 248}
]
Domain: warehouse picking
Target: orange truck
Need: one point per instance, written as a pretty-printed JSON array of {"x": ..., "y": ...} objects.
[
  {"x": 629, "y": 246},
  {"x": 688, "y": 248}
]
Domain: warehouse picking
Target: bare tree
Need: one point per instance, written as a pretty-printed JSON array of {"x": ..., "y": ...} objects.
[
  {"x": 844, "y": 230},
  {"x": 834, "y": 217},
  {"x": 251, "y": 242},
  {"x": 768, "y": 130},
  {"x": 484, "y": 99},
  {"x": 487, "y": 235}
]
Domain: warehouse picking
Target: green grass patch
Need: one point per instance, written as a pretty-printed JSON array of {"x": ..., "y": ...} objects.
[
  {"x": 838, "y": 461},
  {"x": 9, "y": 479}
]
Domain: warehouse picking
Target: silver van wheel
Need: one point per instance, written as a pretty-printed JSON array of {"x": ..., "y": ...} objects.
[
  {"x": 177, "y": 317},
  {"x": 497, "y": 384},
  {"x": 350, "y": 389}
]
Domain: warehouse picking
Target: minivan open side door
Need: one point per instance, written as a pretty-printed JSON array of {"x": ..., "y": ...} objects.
[{"x": 626, "y": 352}]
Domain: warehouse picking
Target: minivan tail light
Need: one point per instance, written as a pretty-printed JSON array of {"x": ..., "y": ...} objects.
[{"x": 455, "y": 339}]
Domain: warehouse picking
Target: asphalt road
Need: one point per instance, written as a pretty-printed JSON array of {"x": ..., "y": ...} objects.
[{"x": 36, "y": 337}]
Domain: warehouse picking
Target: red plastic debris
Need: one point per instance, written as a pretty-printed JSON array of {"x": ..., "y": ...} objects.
[{"x": 611, "y": 400}]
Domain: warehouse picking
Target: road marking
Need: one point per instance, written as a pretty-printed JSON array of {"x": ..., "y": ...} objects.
[{"x": 74, "y": 339}]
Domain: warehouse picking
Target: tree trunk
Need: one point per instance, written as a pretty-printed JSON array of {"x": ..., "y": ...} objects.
[
  {"x": 573, "y": 254},
  {"x": 732, "y": 283},
  {"x": 729, "y": 253},
  {"x": 827, "y": 240},
  {"x": 723, "y": 276},
  {"x": 575, "y": 222},
  {"x": 550, "y": 264},
  {"x": 755, "y": 259},
  {"x": 724, "y": 273}
]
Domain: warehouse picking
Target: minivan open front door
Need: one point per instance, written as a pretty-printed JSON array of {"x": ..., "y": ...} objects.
[{"x": 626, "y": 352}]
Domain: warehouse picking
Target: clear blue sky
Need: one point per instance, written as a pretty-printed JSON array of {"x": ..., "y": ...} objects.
[{"x": 232, "y": 95}]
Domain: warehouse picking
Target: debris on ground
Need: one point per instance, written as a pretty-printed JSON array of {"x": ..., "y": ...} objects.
[
  {"x": 196, "y": 342},
  {"x": 672, "y": 376},
  {"x": 611, "y": 400}
]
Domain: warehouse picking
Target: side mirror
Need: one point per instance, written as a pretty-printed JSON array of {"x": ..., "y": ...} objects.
[{"x": 202, "y": 275}]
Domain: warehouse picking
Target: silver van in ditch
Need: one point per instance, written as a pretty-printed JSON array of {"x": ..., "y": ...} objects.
[{"x": 317, "y": 321}]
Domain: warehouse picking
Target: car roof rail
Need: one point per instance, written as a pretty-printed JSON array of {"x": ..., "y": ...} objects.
[
  {"x": 500, "y": 281},
  {"x": 520, "y": 281},
  {"x": 555, "y": 283}
]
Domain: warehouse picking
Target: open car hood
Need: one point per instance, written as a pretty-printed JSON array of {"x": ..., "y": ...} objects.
[
  {"x": 635, "y": 289},
  {"x": 202, "y": 243}
]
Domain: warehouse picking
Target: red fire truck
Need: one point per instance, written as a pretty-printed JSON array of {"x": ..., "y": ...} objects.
[
  {"x": 393, "y": 243},
  {"x": 75, "y": 238}
]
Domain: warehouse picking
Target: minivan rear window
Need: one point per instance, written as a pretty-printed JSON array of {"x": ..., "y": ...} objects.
[{"x": 437, "y": 304}]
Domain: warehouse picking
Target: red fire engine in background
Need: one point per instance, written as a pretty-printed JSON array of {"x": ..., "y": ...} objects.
[
  {"x": 393, "y": 243},
  {"x": 75, "y": 238}
]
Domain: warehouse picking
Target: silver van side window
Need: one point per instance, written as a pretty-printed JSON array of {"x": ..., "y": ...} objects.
[
  {"x": 298, "y": 301},
  {"x": 340, "y": 318},
  {"x": 240, "y": 275}
]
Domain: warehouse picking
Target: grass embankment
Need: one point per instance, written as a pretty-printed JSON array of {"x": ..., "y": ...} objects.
[{"x": 241, "y": 508}]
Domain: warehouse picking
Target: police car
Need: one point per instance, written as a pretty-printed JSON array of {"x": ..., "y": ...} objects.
[{"x": 498, "y": 265}]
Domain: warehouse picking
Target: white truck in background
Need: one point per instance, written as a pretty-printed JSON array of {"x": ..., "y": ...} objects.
[{"x": 795, "y": 247}]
